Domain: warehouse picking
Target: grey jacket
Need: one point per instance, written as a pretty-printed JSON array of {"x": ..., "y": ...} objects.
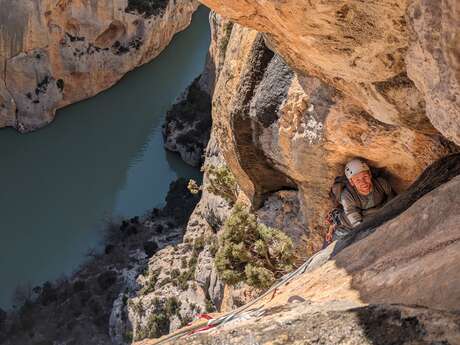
[{"x": 357, "y": 207}]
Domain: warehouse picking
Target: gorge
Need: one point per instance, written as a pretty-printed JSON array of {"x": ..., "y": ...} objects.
[
  {"x": 101, "y": 160},
  {"x": 296, "y": 89}
]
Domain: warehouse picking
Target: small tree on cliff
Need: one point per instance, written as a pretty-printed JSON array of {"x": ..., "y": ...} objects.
[
  {"x": 222, "y": 182},
  {"x": 252, "y": 252}
]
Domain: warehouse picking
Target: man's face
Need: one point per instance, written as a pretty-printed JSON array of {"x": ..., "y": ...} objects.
[{"x": 362, "y": 182}]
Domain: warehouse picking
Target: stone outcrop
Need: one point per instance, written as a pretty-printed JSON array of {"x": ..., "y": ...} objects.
[
  {"x": 184, "y": 273},
  {"x": 188, "y": 123},
  {"x": 54, "y": 53},
  {"x": 399, "y": 63},
  {"x": 187, "y": 127},
  {"x": 406, "y": 260},
  {"x": 279, "y": 129}
]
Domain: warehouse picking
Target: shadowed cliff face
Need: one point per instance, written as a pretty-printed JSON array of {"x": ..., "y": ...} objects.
[
  {"x": 56, "y": 53},
  {"x": 399, "y": 63}
]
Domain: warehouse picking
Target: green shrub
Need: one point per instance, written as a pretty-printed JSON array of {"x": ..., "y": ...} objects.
[
  {"x": 259, "y": 276},
  {"x": 157, "y": 325},
  {"x": 222, "y": 182},
  {"x": 252, "y": 252},
  {"x": 151, "y": 282},
  {"x": 158, "y": 321},
  {"x": 172, "y": 306}
]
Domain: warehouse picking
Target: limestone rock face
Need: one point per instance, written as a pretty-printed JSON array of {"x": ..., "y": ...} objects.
[
  {"x": 278, "y": 129},
  {"x": 335, "y": 323},
  {"x": 182, "y": 273},
  {"x": 419, "y": 248},
  {"x": 54, "y": 53},
  {"x": 361, "y": 49},
  {"x": 433, "y": 61},
  {"x": 398, "y": 285}
]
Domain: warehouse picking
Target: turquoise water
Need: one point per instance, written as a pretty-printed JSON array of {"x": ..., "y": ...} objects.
[{"x": 100, "y": 159}]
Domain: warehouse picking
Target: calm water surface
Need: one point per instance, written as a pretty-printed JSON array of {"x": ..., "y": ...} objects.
[{"x": 101, "y": 159}]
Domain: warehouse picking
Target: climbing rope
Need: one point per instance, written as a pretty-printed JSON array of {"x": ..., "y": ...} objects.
[
  {"x": 237, "y": 312},
  {"x": 438, "y": 173}
]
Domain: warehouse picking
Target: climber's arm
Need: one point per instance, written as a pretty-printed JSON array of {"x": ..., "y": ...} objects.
[{"x": 351, "y": 210}]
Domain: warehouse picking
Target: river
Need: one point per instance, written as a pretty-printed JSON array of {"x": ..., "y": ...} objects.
[{"x": 100, "y": 159}]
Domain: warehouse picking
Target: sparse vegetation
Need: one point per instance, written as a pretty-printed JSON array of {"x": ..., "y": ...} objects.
[
  {"x": 183, "y": 262},
  {"x": 222, "y": 182},
  {"x": 209, "y": 306},
  {"x": 252, "y": 252},
  {"x": 193, "y": 187},
  {"x": 138, "y": 307},
  {"x": 159, "y": 320},
  {"x": 186, "y": 276},
  {"x": 152, "y": 280}
]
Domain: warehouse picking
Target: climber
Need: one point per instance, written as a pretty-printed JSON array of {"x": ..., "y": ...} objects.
[{"x": 358, "y": 194}]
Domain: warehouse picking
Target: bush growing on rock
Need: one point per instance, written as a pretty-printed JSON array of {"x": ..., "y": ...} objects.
[
  {"x": 252, "y": 252},
  {"x": 222, "y": 182},
  {"x": 158, "y": 322}
]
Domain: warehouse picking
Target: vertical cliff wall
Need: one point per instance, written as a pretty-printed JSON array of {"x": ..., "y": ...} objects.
[
  {"x": 300, "y": 87},
  {"x": 281, "y": 128},
  {"x": 397, "y": 60},
  {"x": 57, "y": 52}
]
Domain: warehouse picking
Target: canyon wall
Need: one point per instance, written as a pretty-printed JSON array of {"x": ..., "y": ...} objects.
[
  {"x": 284, "y": 133},
  {"x": 282, "y": 128},
  {"x": 57, "y": 52},
  {"x": 397, "y": 60}
]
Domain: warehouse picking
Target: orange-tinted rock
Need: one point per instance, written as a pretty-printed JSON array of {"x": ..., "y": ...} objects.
[
  {"x": 360, "y": 49},
  {"x": 279, "y": 130},
  {"x": 433, "y": 61}
]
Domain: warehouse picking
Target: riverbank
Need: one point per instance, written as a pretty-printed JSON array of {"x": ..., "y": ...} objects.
[{"x": 90, "y": 306}]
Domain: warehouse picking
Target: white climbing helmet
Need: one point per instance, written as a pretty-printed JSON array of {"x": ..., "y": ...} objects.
[{"x": 355, "y": 166}]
